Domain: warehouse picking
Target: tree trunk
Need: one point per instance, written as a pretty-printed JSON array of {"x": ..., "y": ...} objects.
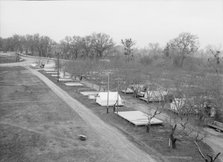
[
  {"x": 172, "y": 139},
  {"x": 181, "y": 61},
  {"x": 173, "y": 142},
  {"x": 148, "y": 127}
]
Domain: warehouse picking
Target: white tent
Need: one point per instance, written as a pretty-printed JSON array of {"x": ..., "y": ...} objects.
[
  {"x": 128, "y": 91},
  {"x": 73, "y": 84},
  {"x": 65, "y": 79},
  {"x": 34, "y": 64},
  {"x": 154, "y": 95},
  {"x": 113, "y": 98}
]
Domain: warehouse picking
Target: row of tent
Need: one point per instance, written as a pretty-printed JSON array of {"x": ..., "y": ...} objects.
[
  {"x": 113, "y": 98},
  {"x": 107, "y": 99},
  {"x": 148, "y": 95},
  {"x": 102, "y": 98}
]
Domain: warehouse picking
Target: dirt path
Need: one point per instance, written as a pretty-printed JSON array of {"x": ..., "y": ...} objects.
[{"x": 118, "y": 141}]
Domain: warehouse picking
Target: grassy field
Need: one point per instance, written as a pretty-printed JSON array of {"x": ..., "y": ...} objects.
[
  {"x": 35, "y": 125},
  {"x": 7, "y": 57},
  {"x": 155, "y": 143}
]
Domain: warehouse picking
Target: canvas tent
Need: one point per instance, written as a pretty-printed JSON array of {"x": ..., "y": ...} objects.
[
  {"x": 34, "y": 64},
  {"x": 112, "y": 99},
  {"x": 128, "y": 91},
  {"x": 153, "y": 96},
  {"x": 65, "y": 79},
  {"x": 73, "y": 84}
]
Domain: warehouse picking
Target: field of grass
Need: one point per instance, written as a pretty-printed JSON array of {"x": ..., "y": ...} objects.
[
  {"x": 7, "y": 57},
  {"x": 35, "y": 125},
  {"x": 155, "y": 142}
]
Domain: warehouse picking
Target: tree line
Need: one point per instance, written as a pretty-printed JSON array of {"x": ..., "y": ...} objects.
[
  {"x": 98, "y": 45},
  {"x": 94, "y": 45},
  {"x": 28, "y": 44}
]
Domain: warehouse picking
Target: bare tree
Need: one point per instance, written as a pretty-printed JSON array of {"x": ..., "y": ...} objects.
[
  {"x": 101, "y": 42},
  {"x": 66, "y": 47},
  {"x": 185, "y": 44},
  {"x": 154, "y": 49},
  {"x": 128, "y": 47},
  {"x": 208, "y": 157},
  {"x": 152, "y": 115},
  {"x": 86, "y": 47},
  {"x": 75, "y": 47}
]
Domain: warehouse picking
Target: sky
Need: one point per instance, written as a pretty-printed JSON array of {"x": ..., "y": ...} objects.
[{"x": 145, "y": 21}]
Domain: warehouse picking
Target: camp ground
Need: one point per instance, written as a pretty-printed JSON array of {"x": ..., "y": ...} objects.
[
  {"x": 154, "y": 96},
  {"x": 109, "y": 99},
  {"x": 73, "y": 84},
  {"x": 138, "y": 118}
]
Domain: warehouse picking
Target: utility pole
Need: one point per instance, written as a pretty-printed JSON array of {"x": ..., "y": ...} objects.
[
  {"x": 58, "y": 66},
  {"x": 108, "y": 95},
  {"x": 117, "y": 96}
]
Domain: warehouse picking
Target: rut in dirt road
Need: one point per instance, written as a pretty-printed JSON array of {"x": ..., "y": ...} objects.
[{"x": 118, "y": 141}]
